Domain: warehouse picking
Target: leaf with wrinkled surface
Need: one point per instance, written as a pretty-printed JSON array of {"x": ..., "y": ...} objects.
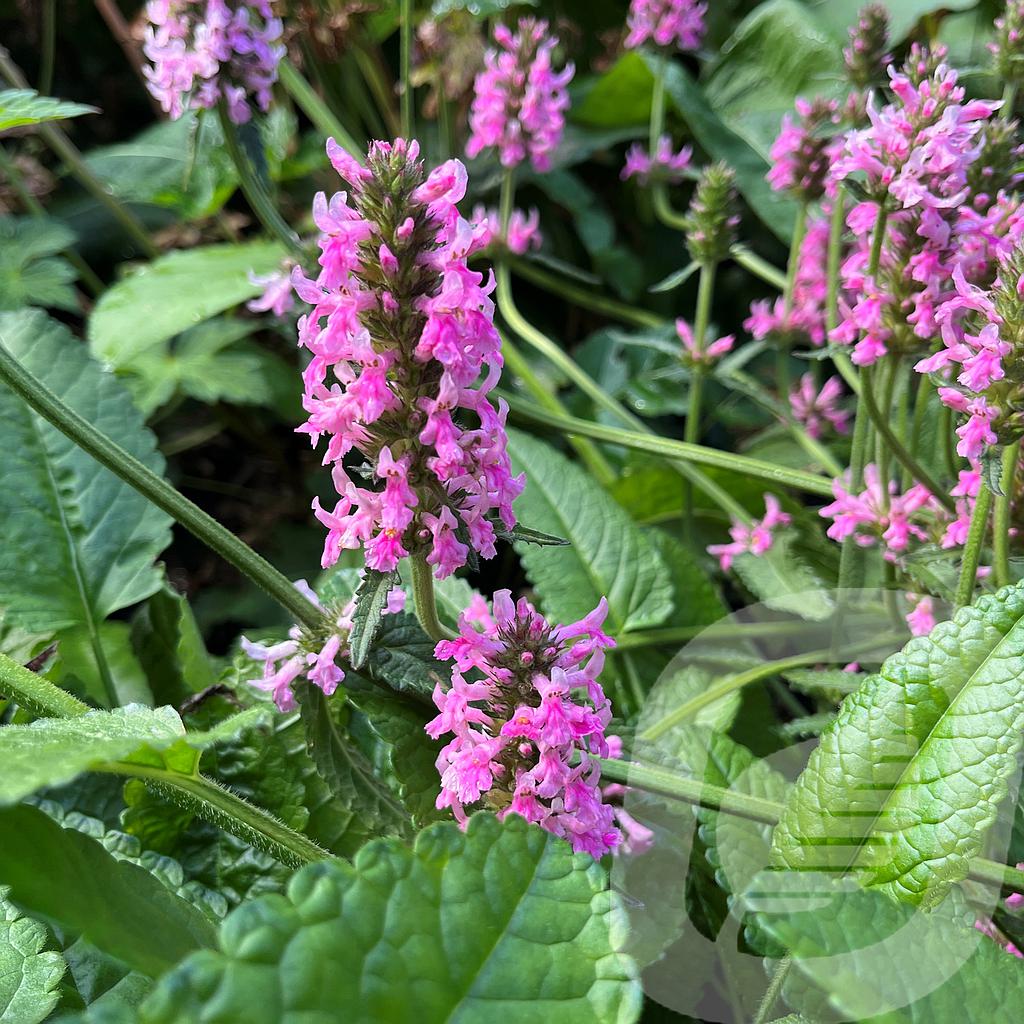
[
  {"x": 500, "y": 922},
  {"x": 905, "y": 784},
  {"x": 29, "y": 973},
  {"x": 371, "y": 600}
]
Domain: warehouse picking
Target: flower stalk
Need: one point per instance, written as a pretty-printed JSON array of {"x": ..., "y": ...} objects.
[{"x": 1001, "y": 521}]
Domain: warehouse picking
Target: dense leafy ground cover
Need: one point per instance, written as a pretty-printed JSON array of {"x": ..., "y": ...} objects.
[{"x": 641, "y": 636}]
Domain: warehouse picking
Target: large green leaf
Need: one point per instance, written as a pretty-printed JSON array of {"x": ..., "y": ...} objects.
[
  {"x": 838, "y": 16},
  {"x": 29, "y": 974},
  {"x": 77, "y": 669},
  {"x": 907, "y": 781},
  {"x": 53, "y": 751},
  {"x": 21, "y": 107},
  {"x": 66, "y": 876},
  {"x": 500, "y": 922},
  {"x": 31, "y": 274},
  {"x": 173, "y": 293},
  {"x": 609, "y": 555},
  {"x": 79, "y": 543},
  {"x": 782, "y": 580}
]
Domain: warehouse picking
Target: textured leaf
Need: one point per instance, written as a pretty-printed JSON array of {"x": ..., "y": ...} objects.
[
  {"x": 609, "y": 557},
  {"x": 782, "y": 579},
  {"x": 30, "y": 273},
  {"x": 21, "y": 107},
  {"x": 66, "y": 876},
  {"x": 904, "y": 786},
  {"x": 53, "y": 751},
  {"x": 79, "y": 543},
  {"x": 371, "y": 599},
  {"x": 695, "y": 601},
  {"x": 173, "y": 293},
  {"x": 346, "y": 769},
  {"x": 403, "y": 656},
  {"x": 29, "y": 974},
  {"x": 500, "y": 922}
]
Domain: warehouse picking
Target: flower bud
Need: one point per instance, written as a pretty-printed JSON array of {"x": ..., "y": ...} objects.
[{"x": 710, "y": 223}]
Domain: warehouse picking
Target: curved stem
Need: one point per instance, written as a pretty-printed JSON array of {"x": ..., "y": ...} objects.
[
  {"x": 156, "y": 489},
  {"x": 66, "y": 150},
  {"x": 676, "y": 451},
  {"x": 255, "y": 193},
  {"x": 424, "y": 601},
  {"x": 1001, "y": 519},
  {"x": 759, "y": 267},
  {"x": 972, "y": 549},
  {"x": 36, "y": 694},
  {"x": 405, "y": 43},
  {"x": 774, "y": 989},
  {"x": 315, "y": 108}
]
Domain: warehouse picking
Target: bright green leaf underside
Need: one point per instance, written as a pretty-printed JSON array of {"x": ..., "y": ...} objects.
[{"x": 21, "y": 107}]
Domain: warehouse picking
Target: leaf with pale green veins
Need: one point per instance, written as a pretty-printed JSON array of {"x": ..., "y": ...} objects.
[
  {"x": 22, "y": 107},
  {"x": 906, "y": 783},
  {"x": 501, "y": 922},
  {"x": 31, "y": 272},
  {"x": 79, "y": 543},
  {"x": 29, "y": 973},
  {"x": 371, "y": 599},
  {"x": 53, "y": 751},
  {"x": 174, "y": 292},
  {"x": 609, "y": 555}
]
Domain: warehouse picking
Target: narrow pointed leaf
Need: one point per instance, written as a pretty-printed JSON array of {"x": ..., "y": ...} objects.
[{"x": 371, "y": 600}]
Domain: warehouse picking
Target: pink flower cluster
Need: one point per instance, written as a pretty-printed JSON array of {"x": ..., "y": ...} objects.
[
  {"x": 401, "y": 330},
  {"x": 817, "y": 409},
  {"x": 528, "y": 722},
  {"x": 802, "y": 154},
  {"x": 693, "y": 355},
  {"x": 805, "y": 317},
  {"x": 205, "y": 51},
  {"x": 921, "y": 618},
  {"x": 675, "y": 23},
  {"x": 519, "y": 100},
  {"x": 755, "y": 537},
  {"x": 664, "y": 165},
  {"x": 523, "y": 229},
  {"x": 303, "y": 654}
]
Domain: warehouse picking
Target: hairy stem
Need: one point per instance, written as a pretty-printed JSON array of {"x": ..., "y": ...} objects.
[
  {"x": 156, "y": 489},
  {"x": 972, "y": 549},
  {"x": 691, "y": 432},
  {"x": 836, "y": 226},
  {"x": 1002, "y": 518},
  {"x": 36, "y": 694},
  {"x": 405, "y": 42},
  {"x": 424, "y": 600}
]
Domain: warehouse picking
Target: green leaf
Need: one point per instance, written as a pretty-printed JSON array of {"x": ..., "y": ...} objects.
[
  {"x": 621, "y": 96},
  {"x": 675, "y": 279},
  {"x": 29, "y": 973},
  {"x": 403, "y": 656},
  {"x": 531, "y": 536},
  {"x": 21, "y": 107},
  {"x": 371, "y": 600},
  {"x": 168, "y": 644},
  {"x": 906, "y": 783},
  {"x": 500, "y": 922},
  {"x": 76, "y": 667},
  {"x": 63, "y": 875},
  {"x": 838, "y": 16},
  {"x": 30, "y": 272},
  {"x": 346, "y": 770},
  {"x": 778, "y": 53},
  {"x": 609, "y": 557},
  {"x": 53, "y": 751},
  {"x": 173, "y": 293},
  {"x": 782, "y": 580},
  {"x": 695, "y": 600},
  {"x": 79, "y": 543}
]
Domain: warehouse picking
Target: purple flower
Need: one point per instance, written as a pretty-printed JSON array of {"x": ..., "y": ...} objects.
[
  {"x": 664, "y": 165},
  {"x": 753, "y": 538},
  {"x": 525, "y": 734},
  {"x": 668, "y": 23},
  {"x": 802, "y": 153},
  {"x": 204, "y": 51},
  {"x": 817, "y": 410},
  {"x": 520, "y": 100},
  {"x": 401, "y": 334},
  {"x": 714, "y": 351},
  {"x": 523, "y": 229}
]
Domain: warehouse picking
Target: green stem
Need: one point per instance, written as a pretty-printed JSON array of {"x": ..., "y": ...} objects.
[
  {"x": 691, "y": 432},
  {"x": 972, "y": 549},
  {"x": 662, "y": 207},
  {"x": 48, "y": 46},
  {"x": 424, "y": 601},
  {"x": 675, "y": 451},
  {"x": 783, "y": 383},
  {"x": 836, "y": 226},
  {"x": 1001, "y": 520},
  {"x": 761, "y": 268},
  {"x": 774, "y": 989},
  {"x": 378, "y": 80},
  {"x": 697, "y": 792},
  {"x": 66, "y": 150},
  {"x": 311, "y": 104},
  {"x": 259, "y": 200},
  {"x": 586, "y": 297},
  {"x": 213, "y": 803},
  {"x": 444, "y": 120},
  {"x": 36, "y": 694},
  {"x": 405, "y": 42},
  {"x": 1009, "y": 98},
  {"x": 89, "y": 277},
  {"x": 517, "y": 364},
  {"x": 156, "y": 489}
]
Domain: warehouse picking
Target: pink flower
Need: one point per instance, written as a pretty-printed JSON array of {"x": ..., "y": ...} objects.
[
  {"x": 714, "y": 351},
  {"x": 205, "y": 51},
  {"x": 921, "y": 618},
  {"x": 394, "y": 315},
  {"x": 817, "y": 411},
  {"x": 523, "y": 229},
  {"x": 527, "y": 732},
  {"x": 675, "y": 23},
  {"x": 802, "y": 153},
  {"x": 277, "y": 297},
  {"x": 753, "y": 538},
  {"x": 664, "y": 165},
  {"x": 519, "y": 100}
]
